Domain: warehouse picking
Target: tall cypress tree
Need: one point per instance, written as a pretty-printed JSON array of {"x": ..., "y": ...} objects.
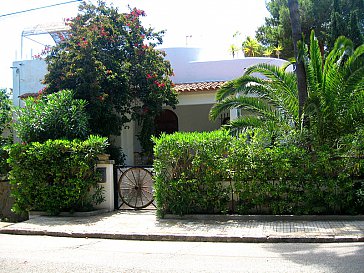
[{"x": 354, "y": 30}]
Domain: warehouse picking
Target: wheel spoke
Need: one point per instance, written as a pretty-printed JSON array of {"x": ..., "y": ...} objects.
[
  {"x": 148, "y": 199},
  {"x": 136, "y": 187},
  {"x": 145, "y": 174},
  {"x": 126, "y": 197},
  {"x": 151, "y": 193},
  {"x": 133, "y": 182}
]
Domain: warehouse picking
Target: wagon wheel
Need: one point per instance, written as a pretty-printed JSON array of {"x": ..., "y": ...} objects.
[{"x": 136, "y": 187}]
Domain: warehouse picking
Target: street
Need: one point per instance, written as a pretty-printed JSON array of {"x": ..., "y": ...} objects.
[{"x": 57, "y": 254}]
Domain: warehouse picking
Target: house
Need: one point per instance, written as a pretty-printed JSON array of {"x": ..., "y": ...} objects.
[{"x": 196, "y": 81}]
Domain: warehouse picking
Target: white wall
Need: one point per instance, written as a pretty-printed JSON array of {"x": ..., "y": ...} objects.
[
  {"x": 27, "y": 78},
  {"x": 195, "y": 118},
  {"x": 188, "y": 65}
]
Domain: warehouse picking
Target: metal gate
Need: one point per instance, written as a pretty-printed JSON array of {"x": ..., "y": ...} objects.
[{"x": 133, "y": 186}]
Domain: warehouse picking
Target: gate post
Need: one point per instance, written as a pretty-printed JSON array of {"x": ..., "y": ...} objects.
[
  {"x": 6, "y": 202},
  {"x": 106, "y": 168}
]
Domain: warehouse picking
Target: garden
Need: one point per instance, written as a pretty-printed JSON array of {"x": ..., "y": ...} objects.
[
  {"x": 272, "y": 159},
  {"x": 292, "y": 150},
  {"x": 104, "y": 73}
]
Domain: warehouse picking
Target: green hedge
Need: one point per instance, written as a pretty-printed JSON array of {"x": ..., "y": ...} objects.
[
  {"x": 56, "y": 175},
  {"x": 278, "y": 178},
  {"x": 52, "y": 116},
  {"x": 189, "y": 172},
  {"x": 5, "y": 132}
]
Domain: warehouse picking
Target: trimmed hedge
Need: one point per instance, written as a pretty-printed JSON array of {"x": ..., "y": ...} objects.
[
  {"x": 56, "y": 175},
  {"x": 189, "y": 172},
  {"x": 279, "y": 178}
]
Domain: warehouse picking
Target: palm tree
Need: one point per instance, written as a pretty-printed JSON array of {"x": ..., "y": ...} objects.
[
  {"x": 269, "y": 102},
  {"x": 335, "y": 90},
  {"x": 277, "y": 50},
  {"x": 251, "y": 47},
  {"x": 335, "y": 94},
  {"x": 300, "y": 72},
  {"x": 234, "y": 50},
  {"x": 268, "y": 52}
]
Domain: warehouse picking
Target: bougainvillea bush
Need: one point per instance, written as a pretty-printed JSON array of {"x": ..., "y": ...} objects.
[{"x": 109, "y": 59}]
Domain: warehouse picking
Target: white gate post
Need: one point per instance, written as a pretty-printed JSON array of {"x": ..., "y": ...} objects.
[{"x": 106, "y": 168}]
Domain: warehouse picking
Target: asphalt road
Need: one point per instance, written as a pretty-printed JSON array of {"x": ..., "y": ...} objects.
[{"x": 57, "y": 254}]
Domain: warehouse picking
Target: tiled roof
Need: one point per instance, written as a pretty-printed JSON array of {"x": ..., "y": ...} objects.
[
  {"x": 179, "y": 87},
  {"x": 27, "y": 95},
  {"x": 198, "y": 86}
]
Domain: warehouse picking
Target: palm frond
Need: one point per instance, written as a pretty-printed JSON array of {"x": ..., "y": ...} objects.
[
  {"x": 244, "y": 122},
  {"x": 228, "y": 89}
]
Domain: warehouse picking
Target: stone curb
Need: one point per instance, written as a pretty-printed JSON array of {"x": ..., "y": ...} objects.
[
  {"x": 217, "y": 217},
  {"x": 33, "y": 214},
  {"x": 190, "y": 238}
]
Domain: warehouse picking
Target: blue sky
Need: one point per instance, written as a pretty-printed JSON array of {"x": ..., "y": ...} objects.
[{"x": 206, "y": 24}]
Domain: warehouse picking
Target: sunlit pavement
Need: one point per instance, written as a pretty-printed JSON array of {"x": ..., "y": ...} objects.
[{"x": 145, "y": 225}]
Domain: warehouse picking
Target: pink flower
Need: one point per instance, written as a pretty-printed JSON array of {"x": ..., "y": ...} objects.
[
  {"x": 159, "y": 84},
  {"x": 138, "y": 12}
]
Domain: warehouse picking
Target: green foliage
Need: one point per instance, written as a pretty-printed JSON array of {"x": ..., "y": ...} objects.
[
  {"x": 251, "y": 47},
  {"x": 56, "y": 175},
  {"x": 109, "y": 59},
  {"x": 274, "y": 103},
  {"x": 5, "y": 111},
  {"x": 330, "y": 21},
  {"x": 55, "y": 116},
  {"x": 5, "y": 133},
  {"x": 335, "y": 90},
  {"x": 335, "y": 101},
  {"x": 189, "y": 172},
  {"x": 268, "y": 175}
]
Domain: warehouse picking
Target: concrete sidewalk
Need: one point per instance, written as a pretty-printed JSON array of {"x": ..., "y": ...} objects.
[{"x": 144, "y": 225}]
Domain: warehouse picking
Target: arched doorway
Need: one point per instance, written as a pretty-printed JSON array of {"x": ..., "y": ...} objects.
[{"x": 166, "y": 122}]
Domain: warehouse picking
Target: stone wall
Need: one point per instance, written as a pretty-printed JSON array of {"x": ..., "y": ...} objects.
[{"x": 6, "y": 202}]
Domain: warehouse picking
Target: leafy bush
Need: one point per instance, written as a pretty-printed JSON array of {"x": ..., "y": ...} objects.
[
  {"x": 55, "y": 116},
  {"x": 269, "y": 174},
  {"x": 190, "y": 172},
  {"x": 5, "y": 136},
  {"x": 56, "y": 175}
]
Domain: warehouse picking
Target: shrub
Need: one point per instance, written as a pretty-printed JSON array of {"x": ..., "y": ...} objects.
[
  {"x": 56, "y": 175},
  {"x": 5, "y": 136},
  {"x": 55, "y": 116},
  {"x": 190, "y": 170},
  {"x": 269, "y": 174}
]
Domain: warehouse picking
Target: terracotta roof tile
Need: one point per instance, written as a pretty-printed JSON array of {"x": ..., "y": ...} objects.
[
  {"x": 27, "y": 95},
  {"x": 198, "y": 86}
]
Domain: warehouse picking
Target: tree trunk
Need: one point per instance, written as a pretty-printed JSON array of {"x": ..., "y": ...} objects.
[{"x": 300, "y": 68}]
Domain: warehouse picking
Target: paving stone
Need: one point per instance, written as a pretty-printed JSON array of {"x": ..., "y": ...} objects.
[{"x": 144, "y": 225}]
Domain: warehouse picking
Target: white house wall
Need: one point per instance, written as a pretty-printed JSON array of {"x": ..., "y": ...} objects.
[
  {"x": 196, "y": 98},
  {"x": 195, "y": 118},
  {"x": 189, "y": 67},
  {"x": 27, "y": 78}
]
